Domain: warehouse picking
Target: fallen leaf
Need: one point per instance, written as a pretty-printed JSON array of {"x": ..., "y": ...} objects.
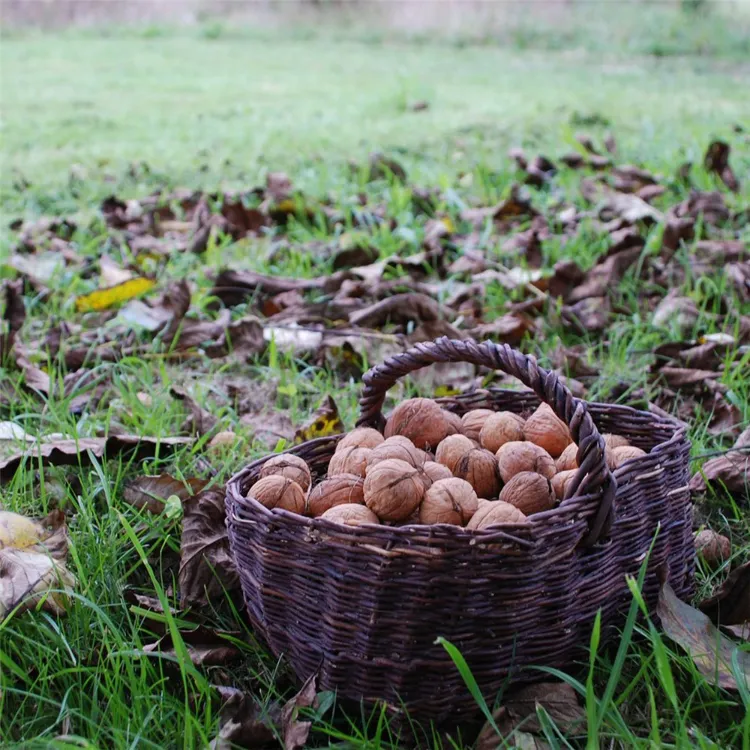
[
  {"x": 730, "y": 603},
  {"x": 325, "y": 421},
  {"x": 205, "y": 647},
  {"x": 103, "y": 299},
  {"x": 294, "y": 731},
  {"x": 712, "y": 652},
  {"x": 70, "y": 451},
  {"x": 12, "y": 318},
  {"x": 716, "y": 160},
  {"x": 151, "y": 492},
  {"x": 28, "y": 578},
  {"x": 589, "y": 315},
  {"x": 399, "y": 309},
  {"x": 111, "y": 273},
  {"x": 201, "y": 421},
  {"x": 381, "y": 167},
  {"x": 245, "y": 338},
  {"x": 731, "y": 471},
  {"x": 519, "y": 711},
  {"x": 605, "y": 275},
  {"x": 207, "y": 569},
  {"x": 243, "y": 723}
]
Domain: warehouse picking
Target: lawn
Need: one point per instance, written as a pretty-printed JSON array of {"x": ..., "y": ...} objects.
[{"x": 86, "y": 115}]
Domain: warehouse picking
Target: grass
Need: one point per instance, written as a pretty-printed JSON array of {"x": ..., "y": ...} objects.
[{"x": 138, "y": 112}]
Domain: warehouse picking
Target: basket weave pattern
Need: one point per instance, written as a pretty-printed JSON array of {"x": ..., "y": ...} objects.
[{"x": 363, "y": 605}]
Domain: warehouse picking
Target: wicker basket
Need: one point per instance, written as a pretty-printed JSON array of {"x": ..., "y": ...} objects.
[{"x": 363, "y": 605}]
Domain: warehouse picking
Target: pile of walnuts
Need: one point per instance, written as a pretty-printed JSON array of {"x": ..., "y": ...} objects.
[{"x": 431, "y": 466}]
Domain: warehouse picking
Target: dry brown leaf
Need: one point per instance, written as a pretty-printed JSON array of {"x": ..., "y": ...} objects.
[
  {"x": 294, "y": 731},
  {"x": 201, "y": 421},
  {"x": 324, "y": 421},
  {"x": 730, "y": 603},
  {"x": 151, "y": 492},
  {"x": 28, "y": 577},
  {"x": 605, "y": 275},
  {"x": 68, "y": 451},
  {"x": 242, "y": 722},
  {"x": 731, "y": 471},
  {"x": 519, "y": 712},
  {"x": 205, "y": 647},
  {"x": 712, "y": 652},
  {"x": 243, "y": 339},
  {"x": 398, "y": 309},
  {"x": 207, "y": 569},
  {"x": 12, "y": 318},
  {"x": 716, "y": 160}
]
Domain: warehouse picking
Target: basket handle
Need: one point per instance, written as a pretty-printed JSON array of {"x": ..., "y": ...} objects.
[{"x": 593, "y": 474}]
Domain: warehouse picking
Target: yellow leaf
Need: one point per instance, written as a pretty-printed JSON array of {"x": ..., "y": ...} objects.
[
  {"x": 447, "y": 222},
  {"x": 103, "y": 299},
  {"x": 324, "y": 422},
  {"x": 446, "y": 390}
]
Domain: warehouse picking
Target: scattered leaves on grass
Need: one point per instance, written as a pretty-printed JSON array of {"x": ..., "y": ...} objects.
[
  {"x": 62, "y": 451},
  {"x": 243, "y": 722},
  {"x": 152, "y": 492},
  {"x": 205, "y": 647},
  {"x": 520, "y": 711},
  {"x": 294, "y": 730},
  {"x": 730, "y": 603},
  {"x": 103, "y": 299},
  {"x": 712, "y": 652},
  {"x": 32, "y": 562},
  {"x": 325, "y": 421},
  {"x": 207, "y": 570}
]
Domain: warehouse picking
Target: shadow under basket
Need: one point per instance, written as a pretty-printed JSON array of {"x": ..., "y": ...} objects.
[{"x": 363, "y": 606}]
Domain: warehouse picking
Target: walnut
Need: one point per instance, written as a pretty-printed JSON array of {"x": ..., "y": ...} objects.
[
  {"x": 560, "y": 482},
  {"x": 529, "y": 492},
  {"x": 398, "y": 447},
  {"x": 350, "y": 515},
  {"x": 361, "y": 437},
  {"x": 568, "y": 459},
  {"x": 420, "y": 420},
  {"x": 432, "y": 472},
  {"x": 712, "y": 547},
  {"x": 614, "y": 441},
  {"x": 495, "y": 513},
  {"x": 341, "y": 489},
  {"x": 453, "y": 449},
  {"x": 275, "y": 491},
  {"x": 393, "y": 490},
  {"x": 479, "y": 468},
  {"x": 448, "y": 501},
  {"x": 500, "y": 428},
  {"x": 473, "y": 421},
  {"x": 515, "y": 457},
  {"x": 546, "y": 430},
  {"x": 291, "y": 466},
  {"x": 352, "y": 460},
  {"x": 619, "y": 456},
  {"x": 454, "y": 421}
]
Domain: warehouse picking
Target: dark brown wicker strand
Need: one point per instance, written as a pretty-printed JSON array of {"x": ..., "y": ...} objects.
[{"x": 363, "y": 606}]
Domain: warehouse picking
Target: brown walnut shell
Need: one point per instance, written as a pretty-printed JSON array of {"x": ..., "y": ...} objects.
[
  {"x": 500, "y": 428},
  {"x": 393, "y": 490},
  {"x": 433, "y": 472},
  {"x": 568, "y": 459},
  {"x": 350, "y": 515},
  {"x": 714, "y": 548},
  {"x": 618, "y": 456},
  {"x": 341, "y": 489},
  {"x": 515, "y": 457},
  {"x": 290, "y": 466},
  {"x": 400, "y": 448},
  {"x": 473, "y": 421},
  {"x": 529, "y": 492},
  {"x": 275, "y": 491},
  {"x": 361, "y": 437},
  {"x": 495, "y": 513},
  {"x": 453, "y": 449},
  {"x": 561, "y": 480},
  {"x": 421, "y": 420},
  {"x": 450, "y": 501},
  {"x": 479, "y": 468},
  {"x": 545, "y": 429},
  {"x": 352, "y": 460}
]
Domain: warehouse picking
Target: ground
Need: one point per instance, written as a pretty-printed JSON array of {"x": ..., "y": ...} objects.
[{"x": 87, "y": 115}]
